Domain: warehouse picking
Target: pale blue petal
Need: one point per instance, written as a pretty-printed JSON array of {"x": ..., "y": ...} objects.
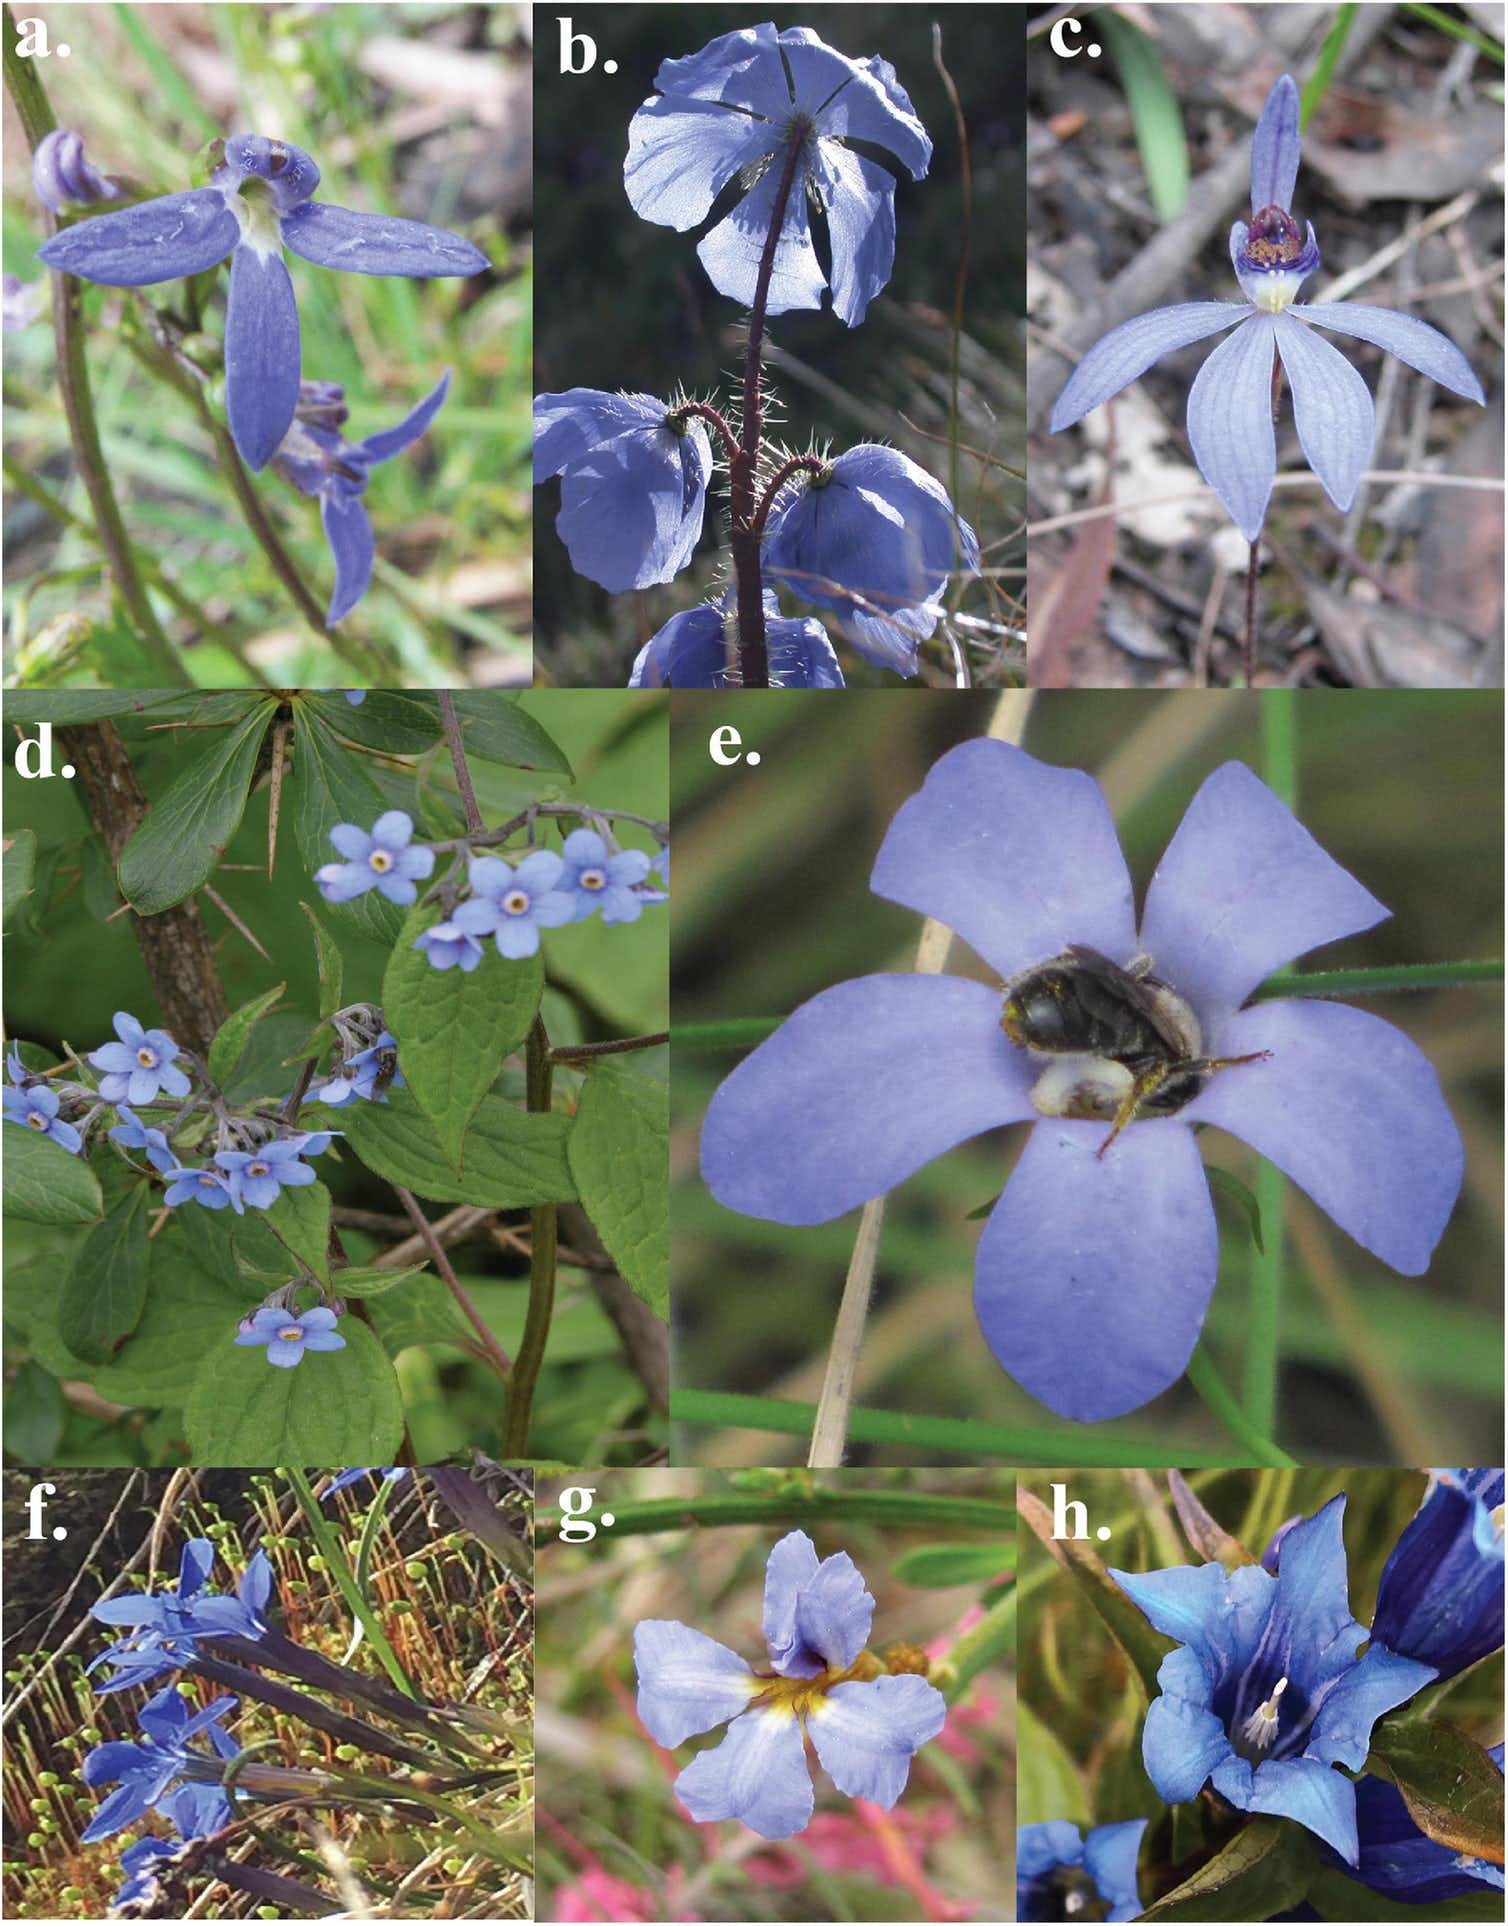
[
  {"x": 859, "y": 198},
  {"x": 1313, "y": 1794},
  {"x": 570, "y": 424},
  {"x": 1183, "y": 1741},
  {"x": 631, "y": 508},
  {"x": 160, "y": 240},
  {"x": 1110, "y": 1854},
  {"x": 1117, "y": 358},
  {"x": 1411, "y": 339},
  {"x": 682, "y": 153},
  {"x": 261, "y": 354},
  {"x": 1230, "y": 423},
  {"x": 743, "y": 68},
  {"x": 335, "y": 237},
  {"x": 1342, "y": 1730},
  {"x": 348, "y": 530},
  {"x": 731, "y": 251},
  {"x": 866, "y": 1733},
  {"x": 392, "y": 441},
  {"x": 757, "y": 1774},
  {"x": 1275, "y": 149},
  {"x": 1332, "y": 409},
  {"x": 1192, "y": 1604},
  {"x": 791, "y": 1564},
  {"x": 856, "y": 100}
]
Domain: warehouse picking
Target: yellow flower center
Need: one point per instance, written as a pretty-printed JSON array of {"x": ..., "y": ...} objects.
[
  {"x": 516, "y": 902},
  {"x": 381, "y": 861},
  {"x": 37, "y": 1120},
  {"x": 593, "y": 879},
  {"x": 145, "y": 1057},
  {"x": 291, "y": 1333}
]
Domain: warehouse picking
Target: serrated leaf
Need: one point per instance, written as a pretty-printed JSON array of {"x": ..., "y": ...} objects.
[
  {"x": 331, "y": 786},
  {"x": 20, "y": 862},
  {"x": 620, "y": 1157},
  {"x": 1144, "y": 1648},
  {"x": 1452, "y": 1788},
  {"x": 229, "y": 1042},
  {"x": 187, "y": 828},
  {"x": 331, "y": 1408},
  {"x": 104, "y": 1292},
  {"x": 513, "y": 1158},
  {"x": 1265, "y": 1869},
  {"x": 35, "y": 1414},
  {"x": 366, "y": 1281},
  {"x": 937, "y": 1567},
  {"x": 496, "y": 729},
  {"x": 46, "y": 1184},
  {"x": 455, "y": 1027},
  {"x": 300, "y": 1221},
  {"x": 1048, "y": 1785},
  {"x": 330, "y": 963},
  {"x": 1224, "y": 1183}
]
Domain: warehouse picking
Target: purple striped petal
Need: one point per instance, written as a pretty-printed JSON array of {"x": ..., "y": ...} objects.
[
  {"x": 1117, "y": 358},
  {"x": 392, "y": 441},
  {"x": 261, "y": 354},
  {"x": 1230, "y": 423},
  {"x": 1411, "y": 339},
  {"x": 1275, "y": 148},
  {"x": 1332, "y": 409}
]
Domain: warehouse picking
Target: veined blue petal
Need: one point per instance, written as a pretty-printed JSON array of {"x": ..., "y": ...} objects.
[
  {"x": 261, "y": 354},
  {"x": 1110, "y": 1854},
  {"x": 867, "y": 1731},
  {"x": 682, "y": 152},
  {"x": 757, "y": 1774},
  {"x": 742, "y": 69},
  {"x": 833, "y": 1614},
  {"x": 791, "y": 1564},
  {"x": 731, "y": 251},
  {"x": 1117, "y": 358},
  {"x": 859, "y": 197},
  {"x": 1230, "y": 423},
  {"x": 1342, "y": 1729},
  {"x": 687, "y": 1682},
  {"x": 1275, "y": 148},
  {"x": 160, "y": 240},
  {"x": 573, "y": 423},
  {"x": 855, "y": 100},
  {"x": 348, "y": 529},
  {"x": 1183, "y": 1741},
  {"x": 1194, "y": 1605},
  {"x": 1411, "y": 339},
  {"x": 388, "y": 442},
  {"x": 1332, "y": 409},
  {"x": 336, "y": 237},
  {"x": 1302, "y": 1789},
  {"x": 631, "y": 509}
]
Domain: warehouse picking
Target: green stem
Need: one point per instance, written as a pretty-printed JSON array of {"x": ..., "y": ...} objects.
[
  {"x": 926, "y": 1509},
  {"x": 332, "y": 1551},
  {"x": 989, "y": 1642},
  {"x": 1219, "y": 1401},
  {"x": 538, "y": 1076}
]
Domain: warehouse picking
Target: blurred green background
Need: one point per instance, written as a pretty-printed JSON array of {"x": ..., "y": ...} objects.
[
  {"x": 773, "y": 904},
  {"x": 420, "y": 111},
  {"x": 624, "y": 303}
]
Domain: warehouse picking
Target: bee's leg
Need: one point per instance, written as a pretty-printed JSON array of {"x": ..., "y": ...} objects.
[
  {"x": 1210, "y": 1065},
  {"x": 1140, "y": 1090}
]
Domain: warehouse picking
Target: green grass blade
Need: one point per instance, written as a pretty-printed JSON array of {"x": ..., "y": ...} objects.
[{"x": 1155, "y": 113}]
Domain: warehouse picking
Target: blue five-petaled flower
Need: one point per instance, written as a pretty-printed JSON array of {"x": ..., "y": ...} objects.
[
  {"x": 865, "y": 1724},
  {"x": 1062, "y": 1873},
  {"x": 138, "y": 1067},
  {"x": 512, "y": 904},
  {"x": 1231, "y": 402},
  {"x": 35, "y": 1107},
  {"x": 286, "y": 1335},
  {"x": 1265, "y": 1696},
  {"x": 383, "y": 858},
  {"x": 368, "y": 1075},
  {"x": 258, "y": 201}
]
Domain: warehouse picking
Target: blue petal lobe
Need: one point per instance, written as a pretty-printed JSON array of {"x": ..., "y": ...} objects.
[
  {"x": 160, "y": 240},
  {"x": 731, "y": 251},
  {"x": 687, "y": 1682},
  {"x": 757, "y": 1774},
  {"x": 1302, "y": 1789},
  {"x": 682, "y": 152},
  {"x": 348, "y": 529},
  {"x": 392, "y": 441},
  {"x": 1411, "y": 339},
  {"x": 1230, "y": 423},
  {"x": 792, "y": 1563},
  {"x": 1342, "y": 1730},
  {"x": 261, "y": 354},
  {"x": 1332, "y": 409},
  {"x": 866, "y": 1733},
  {"x": 1117, "y": 358},
  {"x": 1275, "y": 148},
  {"x": 1110, "y": 1854},
  {"x": 337, "y": 237},
  {"x": 860, "y": 201}
]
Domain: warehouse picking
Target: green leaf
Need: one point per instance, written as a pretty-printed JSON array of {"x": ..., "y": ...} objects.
[
  {"x": 46, "y": 1184},
  {"x": 1048, "y": 1785},
  {"x": 331, "y": 966},
  {"x": 190, "y": 1312},
  {"x": 331, "y": 1408},
  {"x": 402, "y": 723},
  {"x": 35, "y": 1414},
  {"x": 300, "y": 1221},
  {"x": 513, "y": 1158},
  {"x": 331, "y": 785},
  {"x": 1225, "y": 1184},
  {"x": 496, "y": 729},
  {"x": 230, "y": 1039},
  {"x": 455, "y": 1027},
  {"x": 1452, "y": 1788},
  {"x": 1265, "y": 1869},
  {"x": 83, "y": 705},
  {"x": 620, "y": 1157},
  {"x": 366, "y": 1281},
  {"x": 1143, "y": 1647},
  {"x": 103, "y": 1294},
  {"x": 1325, "y": 64},
  {"x": 1336, "y": 1897},
  {"x": 188, "y": 827},
  {"x": 936, "y": 1567},
  {"x": 1155, "y": 113},
  {"x": 19, "y": 867}
]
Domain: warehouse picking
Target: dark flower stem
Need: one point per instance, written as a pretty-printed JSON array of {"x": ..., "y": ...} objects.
[
  {"x": 542, "y": 1246},
  {"x": 809, "y": 464},
  {"x": 583, "y": 1052},
  {"x": 753, "y": 657},
  {"x": 452, "y": 726},
  {"x": 501, "y": 1362},
  {"x": 1249, "y": 644},
  {"x": 704, "y": 411},
  {"x": 299, "y": 1705}
]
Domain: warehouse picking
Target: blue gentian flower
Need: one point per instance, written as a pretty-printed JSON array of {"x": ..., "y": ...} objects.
[
  {"x": 735, "y": 108},
  {"x": 147, "y": 1772},
  {"x": 166, "y": 1625},
  {"x": 448, "y": 947},
  {"x": 1062, "y": 1873},
  {"x": 513, "y": 904},
  {"x": 61, "y": 172},
  {"x": 597, "y": 878},
  {"x": 864, "y": 1724},
  {"x": 36, "y": 1108},
  {"x": 136, "y": 1135},
  {"x": 257, "y": 202},
  {"x": 319, "y": 461},
  {"x": 633, "y": 483},
  {"x": 1397, "y": 1859},
  {"x": 140, "y": 1065},
  {"x": 203, "y": 1184},
  {"x": 288, "y": 1334},
  {"x": 1231, "y": 401},
  {"x": 260, "y": 1174},
  {"x": 369, "y": 1075},
  {"x": 1441, "y": 1595},
  {"x": 1265, "y": 1696},
  {"x": 875, "y": 538},
  {"x": 698, "y": 649},
  {"x": 380, "y": 858},
  {"x": 1096, "y": 1266}
]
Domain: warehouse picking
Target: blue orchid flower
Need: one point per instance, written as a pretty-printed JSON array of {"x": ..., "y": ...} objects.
[
  {"x": 1265, "y": 1695},
  {"x": 319, "y": 461},
  {"x": 1062, "y": 1873},
  {"x": 147, "y": 1772},
  {"x": 258, "y": 201},
  {"x": 1231, "y": 402},
  {"x": 1441, "y": 1594},
  {"x": 866, "y": 1726},
  {"x": 735, "y": 108},
  {"x": 140, "y": 1065},
  {"x": 633, "y": 483},
  {"x": 166, "y": 1625},
  {"x": 698, "y": 649},
  {"x": 876, "y": 538},
  {"x": 35, "y": 1107}
]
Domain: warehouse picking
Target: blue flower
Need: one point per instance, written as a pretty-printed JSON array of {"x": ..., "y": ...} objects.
[
  {"x": 369, "y": 1075},
  {"x": 1063, "y": 1874},
  {"x": 633, "y": 483},
  {"x": 288, "y": 1334},
  {"x": 203, "y": 1184},
  {"x": 140, "y": 1863},
  {"x": 512, "y": 905},
  {"x": 136, "y": 1135},
  {"x": 698, "y": 649},
  {"x": 257, "y": 202},
  {"x": 1397, "y": 1859},
  {"x": 448, "y": 947},
  {"x": 147, "y": 1772},
  {"x": 1265, "y": 1695},
  {"x": 596, "y": 878},
  {"x": 357, "y": 696},
  {"x": 736, "y": 108},
  {"x": 166, "y": 1625},
  {"x": 141, "y": 1065},
  {"x": 864, "y": 1724},
  {"x": 61, "y": 172},
  {"x": 875, "y": 538},
  {"x": 379, "y": 859},
  {"x": 345, "y": 1479},
  {"x": 36, "y": 1108},
  {"x": 1441, "y": 1595},
  {"x": 319, "y": 461},
  {"x": 260, "y": 1174},
  {"x": 1231, "y": 401}
]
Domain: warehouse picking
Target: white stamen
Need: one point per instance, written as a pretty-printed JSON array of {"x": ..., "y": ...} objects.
[{"x": 1262, "y": 1727}]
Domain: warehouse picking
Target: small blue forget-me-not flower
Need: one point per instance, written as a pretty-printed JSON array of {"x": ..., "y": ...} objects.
[
  {"x": 35, "y": 1107},
  {"x": 513, "y": 904},
  {"x": 286, "y": 1335},
  {"x": 138, "y": 1067},
  {"x": 598, "y": 879},
  {"x": 383, "y": 858}
]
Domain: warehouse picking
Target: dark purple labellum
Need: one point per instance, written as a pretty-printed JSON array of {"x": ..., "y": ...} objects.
[{"x": 1273, "y": 239}]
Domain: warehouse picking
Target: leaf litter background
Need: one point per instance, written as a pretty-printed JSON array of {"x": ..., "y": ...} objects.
[{"x": 1406, "y": 590}]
